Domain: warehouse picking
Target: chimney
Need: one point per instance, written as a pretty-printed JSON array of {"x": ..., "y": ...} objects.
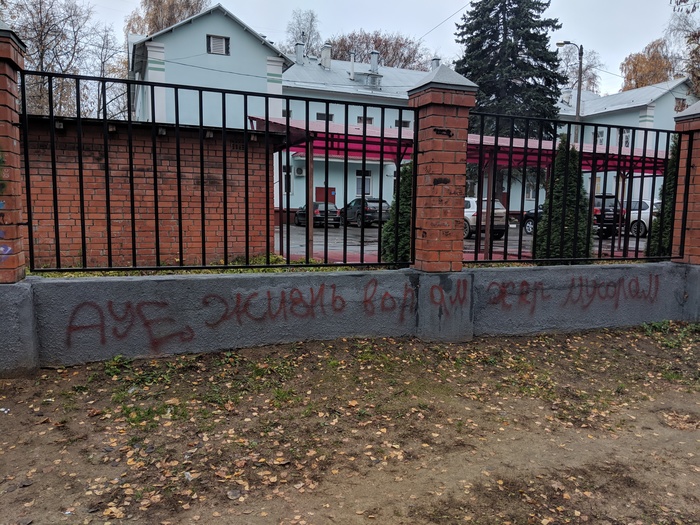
[
  {"x": 326, "y": 56},
  {"x": 352, "y": 65},
  {"x": 434, "y": 63},
  {"x": 566, "y": 95},
  {"x": 374, "y": 62},
  {"x": 299, "y": 48}
]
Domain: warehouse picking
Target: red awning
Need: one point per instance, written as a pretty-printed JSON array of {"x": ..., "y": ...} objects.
[
  {"x": 541, "y": 153},
  {"x": 341, "y": 140}
]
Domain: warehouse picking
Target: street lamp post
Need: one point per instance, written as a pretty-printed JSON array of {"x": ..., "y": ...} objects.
[{"x": 580, "y": 74}]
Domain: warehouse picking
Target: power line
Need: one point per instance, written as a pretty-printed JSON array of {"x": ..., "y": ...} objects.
[{"x": 445, "y": 20}]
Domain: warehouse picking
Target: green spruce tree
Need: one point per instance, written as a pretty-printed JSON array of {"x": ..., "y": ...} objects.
[
  {"x": 397, "y": 248},
  {"x": 661, "y": 236},
  {"x": 506, "y": 53},
  {"x": 562, "y": 232}
]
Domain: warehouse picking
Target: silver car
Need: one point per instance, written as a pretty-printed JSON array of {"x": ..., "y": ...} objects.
[{"x": 499, "y": 225}]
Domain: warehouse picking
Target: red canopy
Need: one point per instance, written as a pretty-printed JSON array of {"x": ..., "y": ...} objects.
[
  {"x": 339, "y": 140},
  {"x": 541, "y": 153}
]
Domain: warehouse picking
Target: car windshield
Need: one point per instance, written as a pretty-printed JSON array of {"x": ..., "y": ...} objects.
[{"x": 330, "y": 207}]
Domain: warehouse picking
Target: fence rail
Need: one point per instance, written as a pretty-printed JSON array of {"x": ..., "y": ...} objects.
[{"x": 129, "y": 175}]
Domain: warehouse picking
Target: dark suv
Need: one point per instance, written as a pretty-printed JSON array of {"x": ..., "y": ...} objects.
[
  {"x": 608, "y": 215},
  {"x": 365, "y": 211}
]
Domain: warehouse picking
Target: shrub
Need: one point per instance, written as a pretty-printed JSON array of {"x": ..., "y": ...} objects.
[
  {"x": 563, "y": 235},
  {"x": 661, "y": 235},
  {"x": 396, "y": 235}
]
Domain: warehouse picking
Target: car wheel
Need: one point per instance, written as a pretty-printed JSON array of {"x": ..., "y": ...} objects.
[
  {"x": 336, "y": 225},
  {"x": 604, "y": 233},
  {"x": 498, "y": 235},
  {"x": 529, "y": 226},
  {"x": 467, "y": 230},
  {"x": 296, "y": 220},
  {"x": 638, "y": 229}
]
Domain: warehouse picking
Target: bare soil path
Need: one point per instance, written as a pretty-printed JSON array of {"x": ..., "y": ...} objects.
[{"x": 601, "y": 427}]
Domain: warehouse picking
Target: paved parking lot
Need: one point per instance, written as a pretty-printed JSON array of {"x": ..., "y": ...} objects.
[{"x": 362, "y": 245}]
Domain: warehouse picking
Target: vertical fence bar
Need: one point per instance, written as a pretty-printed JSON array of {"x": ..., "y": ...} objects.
[
  {"x": 178, "y": 179},
  {"x": 224, "y": 176},
  {"x": 132, "y": 190},
  {"x": 686, "y": 194},
  {"x": 154, "y": 155},
  {"x": 27, "y": 171},
  {"x": 246, "y": 174},
  {"x": 54, "y": 176},
  {"x": 202, "y": 195},
  {"x": 108, "y": 197},
  {"x": 81, "y": 174}
]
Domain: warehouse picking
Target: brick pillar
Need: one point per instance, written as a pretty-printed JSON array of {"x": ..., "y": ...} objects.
[
  {"x": 442, "y": 102},
  {"x": 689, "y": 122},
  {"x": 12, "y": 261}
]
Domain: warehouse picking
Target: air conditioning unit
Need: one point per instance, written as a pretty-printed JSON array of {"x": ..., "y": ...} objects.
[{"x": 299, "y": 172}]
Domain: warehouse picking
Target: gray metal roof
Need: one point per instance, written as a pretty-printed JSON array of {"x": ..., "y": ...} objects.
[
  {"x": 593, "y": 104},
  {"x": 311, "y": 76}
]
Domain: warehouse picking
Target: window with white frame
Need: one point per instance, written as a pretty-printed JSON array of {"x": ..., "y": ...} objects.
[
  {"x": 531, "y": 188},
  {"x": 287, "y": 113},
  {"x": 324, "y": 116},
  {"x": 365, "y": 120},
  {"x": 600, "y": 137},
  {"x": 402, "y": 123},
  {"x": 626, "y": 137},
  {"x": 363, "y": 177},
  {"x": 218, "y": 45},
  {"x": 681, "y": 105}
]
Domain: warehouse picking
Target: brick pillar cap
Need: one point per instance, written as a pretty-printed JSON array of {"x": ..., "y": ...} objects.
[
  {"x": 6, "y": 31},
  {"x": 444, "y": 78},
  {"x": 691, "y": 113}
]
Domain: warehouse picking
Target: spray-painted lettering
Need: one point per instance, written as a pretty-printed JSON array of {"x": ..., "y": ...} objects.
[
  {"x": 152, "y": 316},
  {"x": 584, "y": 292}
]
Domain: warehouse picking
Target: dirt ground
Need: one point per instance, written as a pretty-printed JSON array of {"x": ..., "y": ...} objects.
[{"x": 601, "y": 427}]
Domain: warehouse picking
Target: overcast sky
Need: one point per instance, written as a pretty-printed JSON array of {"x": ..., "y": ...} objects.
[{"x": 613, "y": 28}]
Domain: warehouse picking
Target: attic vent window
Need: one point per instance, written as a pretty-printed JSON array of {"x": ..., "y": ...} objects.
[
  {"x": 218, "y": 45},
  {"x": 681, "y": 105}
]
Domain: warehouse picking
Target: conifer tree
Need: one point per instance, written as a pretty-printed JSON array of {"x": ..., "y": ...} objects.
[
  {"x": 661, "y": 235},
  {"x": 562, "y": 232},
  {"x": 506, "y": 53},
  {"x": 398, "y": 227}
]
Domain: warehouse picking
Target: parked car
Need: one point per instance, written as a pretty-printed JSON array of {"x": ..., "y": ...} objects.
[
  {"x": 531, "y": 218},
  {"x": 323, "y": 214},
  {"x": 499, "y": 225},
  {"x": 608, "y": 214},
  {"x": 365, "y": 211},
  {"x": 641, "y": 213}
]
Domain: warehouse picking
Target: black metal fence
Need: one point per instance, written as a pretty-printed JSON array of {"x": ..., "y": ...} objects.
[
  {"x": 564, "y": 192},
  {"x": 130, "y": 175}
]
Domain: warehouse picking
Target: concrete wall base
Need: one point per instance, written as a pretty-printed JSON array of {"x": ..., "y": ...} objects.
[{"x": 61, "y": 322}]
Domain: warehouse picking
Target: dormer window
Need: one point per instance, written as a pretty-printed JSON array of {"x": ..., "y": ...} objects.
[{"x": 218, "y": 45}]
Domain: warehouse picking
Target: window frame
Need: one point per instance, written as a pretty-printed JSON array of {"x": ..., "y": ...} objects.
[{"x": 226, "y": 40}]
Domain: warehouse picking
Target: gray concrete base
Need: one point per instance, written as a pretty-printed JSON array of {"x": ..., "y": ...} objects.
[
  {"x": 19, "y": 352},
  {"x": 59, "y": 322}
]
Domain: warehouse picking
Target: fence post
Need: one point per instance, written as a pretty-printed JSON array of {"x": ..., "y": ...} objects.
[
  {"x": 442, "y": 104},
  {"x": 688, "y": 123},
  {"x": 12, "y": 260}
]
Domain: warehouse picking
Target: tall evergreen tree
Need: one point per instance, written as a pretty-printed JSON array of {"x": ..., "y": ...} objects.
[{"x": 506, "y": 52}]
